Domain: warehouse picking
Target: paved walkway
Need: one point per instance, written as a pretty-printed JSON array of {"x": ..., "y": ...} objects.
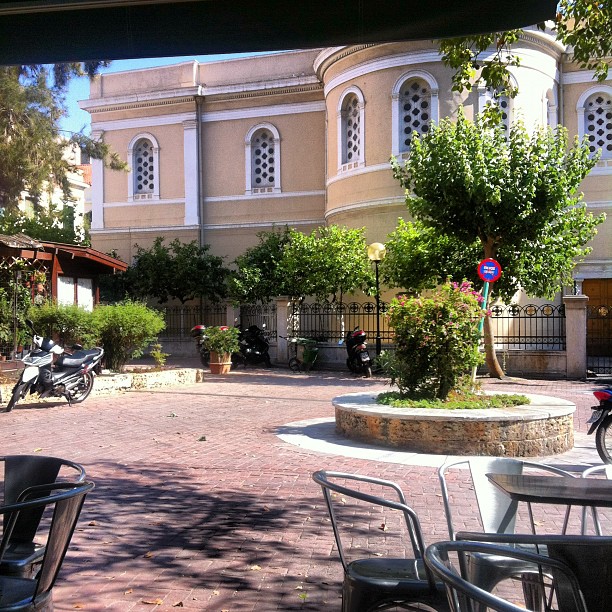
[{"x": 204, "y": 498}]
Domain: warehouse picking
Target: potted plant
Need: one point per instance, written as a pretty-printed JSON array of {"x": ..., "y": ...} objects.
[{"x": 221, "y": 341}]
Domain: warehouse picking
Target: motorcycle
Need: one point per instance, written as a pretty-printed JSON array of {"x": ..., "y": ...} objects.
[
  {"x": 198, "y": 332},
  {"x": 253, "y": 347},
  {"x": 50, "y": 371},
  {"x": 601, "y": 422},
  {"x": 358, "y": 359}
]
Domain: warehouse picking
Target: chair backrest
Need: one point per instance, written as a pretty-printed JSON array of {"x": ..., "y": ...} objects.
[
  {"x": 65, "y": 500},
  {"x": 337, "y": 495},
  {"x": 497, "y": 511},
  {"x": 606, "y": 471},
  {"x": 589, "y": 559},
  {"x": 24, "y": 471}
]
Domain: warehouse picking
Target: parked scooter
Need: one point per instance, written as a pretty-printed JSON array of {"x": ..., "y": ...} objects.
[
  {"x": 358, "y": 359},
  {"x": 199, "y": 333},
  {"x": 253, "y": 347},
  {"x": 52, "y": 372},
  {"x": 601, "y": 423}
]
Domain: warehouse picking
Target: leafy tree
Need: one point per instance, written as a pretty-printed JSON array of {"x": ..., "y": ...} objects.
[
  {"x": 177, "y": 271},
  {"x": 330, "y": 261},
  {"x": 515, "y": 198},
  {"x": 584, "y": 25},
  {"x": 32, "y": 148},
  {"x": 46, "y": 225},
  {"x": 259, "y": 276}
]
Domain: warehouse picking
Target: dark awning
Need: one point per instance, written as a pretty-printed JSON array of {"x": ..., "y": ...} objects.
[{"x": 50, "y": 31}]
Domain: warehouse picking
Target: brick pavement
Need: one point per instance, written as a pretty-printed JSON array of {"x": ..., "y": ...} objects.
[{"x": 199, "y": 504}]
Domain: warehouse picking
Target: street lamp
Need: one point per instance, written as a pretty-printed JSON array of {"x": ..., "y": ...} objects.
[{"x": 376, "y": 253}]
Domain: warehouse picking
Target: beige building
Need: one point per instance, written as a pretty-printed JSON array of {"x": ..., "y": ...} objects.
[{"x": 221, "y": 151}]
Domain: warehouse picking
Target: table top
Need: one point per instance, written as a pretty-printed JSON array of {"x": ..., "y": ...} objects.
[{"x": 555, "y": 489}]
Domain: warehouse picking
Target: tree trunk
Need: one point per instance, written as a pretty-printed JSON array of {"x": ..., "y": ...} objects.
[{"x": 495, "y": 369}]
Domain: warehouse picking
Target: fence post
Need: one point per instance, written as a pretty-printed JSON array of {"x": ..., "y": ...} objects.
[
  {"x": 232, "y": 314},
  {"x": 575, "y": 335},
  {"x": 282, "y": 318}
]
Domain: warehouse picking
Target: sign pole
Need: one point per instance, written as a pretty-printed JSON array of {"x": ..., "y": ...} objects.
[{"x": 489, "y": 271}]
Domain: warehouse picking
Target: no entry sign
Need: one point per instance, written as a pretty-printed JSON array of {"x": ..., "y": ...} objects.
[{"x": 489, "y": 270}]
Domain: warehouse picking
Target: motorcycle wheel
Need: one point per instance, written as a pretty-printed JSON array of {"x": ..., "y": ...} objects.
[
  {"x": 205, "y": 358},
  {"x": 368, "y": 371},
  {"x": 18, "y": 393},
  {"x": 294, "y": 364},
  {"x": 82, "y": 391},
  {"x": 603, "y": 440},
  {"x": 350, "y": 365}
]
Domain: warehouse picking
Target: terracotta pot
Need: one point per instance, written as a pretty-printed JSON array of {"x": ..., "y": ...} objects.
[{"x": 220, "y": 363}]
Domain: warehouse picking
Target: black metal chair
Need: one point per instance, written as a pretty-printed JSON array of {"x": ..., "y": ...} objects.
[
  {"x": 64, "y": 502},
  {"x": 588, "y": 557},
  {"x": 497, "y": 513},
  {"x": 24, "y": 556},
  {"x": 379, "y": 582},
  {"x": 464, "y": 596}
]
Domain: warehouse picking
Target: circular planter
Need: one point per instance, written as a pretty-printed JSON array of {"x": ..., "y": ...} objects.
[{"x": 544, "y": 427}]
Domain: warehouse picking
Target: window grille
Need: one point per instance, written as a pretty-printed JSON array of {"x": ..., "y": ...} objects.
[
  {"x": 262, "y": 162},
  {"x": 415, "y": 111},
  {"x": 598, "y": 123},
  {"x": 144, "y": 169},
  {"x": 351, "y": 128}
]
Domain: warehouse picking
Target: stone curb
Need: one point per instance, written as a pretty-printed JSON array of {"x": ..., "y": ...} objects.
[{"x": 107, "y": 384}]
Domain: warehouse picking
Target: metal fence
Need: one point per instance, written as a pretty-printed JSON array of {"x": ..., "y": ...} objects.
[
  {"x": 599, "y": 339},
  {"x": 262, "y": 315},
  {"x": 180, "y": 319},
  {"x": 329, "y": 322},
  {"x": 530, "y": 327}
]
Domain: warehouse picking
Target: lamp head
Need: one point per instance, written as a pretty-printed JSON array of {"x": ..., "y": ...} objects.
[{"x": 376, "y": 251}]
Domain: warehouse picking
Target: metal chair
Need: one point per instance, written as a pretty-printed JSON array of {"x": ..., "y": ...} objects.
[
  {"x": 589, "y": 558},
  {"x": 497, "y": 511},
  {"x": 385, "y": 581},
  {"x": 24, "y": 556},
  {"x": 64, "y": 502},
  {"x": 606, "y": 470},
  {"x": 464, "y": 596}
]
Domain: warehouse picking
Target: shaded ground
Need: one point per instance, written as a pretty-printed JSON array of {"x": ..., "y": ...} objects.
[{"x": 198, "y": 504}]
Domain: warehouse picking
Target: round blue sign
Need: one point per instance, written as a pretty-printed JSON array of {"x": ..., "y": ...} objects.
[{"x": 489, "y": 270}]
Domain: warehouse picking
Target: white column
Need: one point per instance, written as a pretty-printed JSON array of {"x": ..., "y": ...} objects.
[
  {"x": 191, "y": 179},
  {"x": 97, "y": 189}
]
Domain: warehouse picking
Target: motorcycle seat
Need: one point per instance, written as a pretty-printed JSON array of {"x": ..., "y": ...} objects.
[{"x": 77, "y": 358}]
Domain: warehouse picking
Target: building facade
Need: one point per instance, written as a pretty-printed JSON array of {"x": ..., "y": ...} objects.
[{"x": 221, "y": 151}]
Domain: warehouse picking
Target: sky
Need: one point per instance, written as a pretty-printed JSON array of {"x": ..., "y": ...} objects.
[{"x": 78, "y": 119}]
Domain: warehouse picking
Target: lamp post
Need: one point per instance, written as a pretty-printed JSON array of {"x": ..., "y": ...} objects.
[{"x": 376, "y": 253}]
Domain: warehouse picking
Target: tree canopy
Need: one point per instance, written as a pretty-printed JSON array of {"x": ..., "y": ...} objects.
[
  {"x": 32, "y": 146},
  {"x": 327, "y": 263},
  {"x": 177, "y": 271},
  {"x": 583, "y": 25}
]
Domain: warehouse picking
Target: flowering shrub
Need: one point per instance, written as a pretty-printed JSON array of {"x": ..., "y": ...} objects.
[{"x": 436, "y": 338}]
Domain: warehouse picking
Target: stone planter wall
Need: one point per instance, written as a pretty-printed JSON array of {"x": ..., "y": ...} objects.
[{"x": 545, "y": 427}]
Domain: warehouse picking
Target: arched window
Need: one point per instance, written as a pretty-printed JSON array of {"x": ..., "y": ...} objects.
[
  {"x": 598, "y": 123},
  {"x": 262, "y": 157},
  {"x": 351, "y": 130},
  {"x": 495, "y": 96},
  {"x": 415, "y": 107},
  {"x": 143, "y": 179}
]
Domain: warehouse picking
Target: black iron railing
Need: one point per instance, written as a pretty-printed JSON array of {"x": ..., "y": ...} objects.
[
  {"x": 180, "y": 319},
  {"x": 262, "y": 315},
  {"x": 599, "y": 339}
]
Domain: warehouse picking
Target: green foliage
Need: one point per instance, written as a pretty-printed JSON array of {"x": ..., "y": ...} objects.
[
  {"x": 584, "y": 25},
  {"x": 32, "y": 151},
  {"x": 436, "y": 340},
  {"x": 418, "y": 258},
  {"x": 15, "y": 300},
  {"x": 511, "y": 198},
  {"x": 222, "y": 340},
  {"x": 330, "y": 261},
  {"x": 125, "y": 330},
  {"x": 177, "y": 271},
  {"x": 458, "y": 401},
  {"x": 158, "y": 355},
  {"x": 46, "y": 226},
  {"x": 67, "y": 324},
  {"x": 259, "y": 276}
]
